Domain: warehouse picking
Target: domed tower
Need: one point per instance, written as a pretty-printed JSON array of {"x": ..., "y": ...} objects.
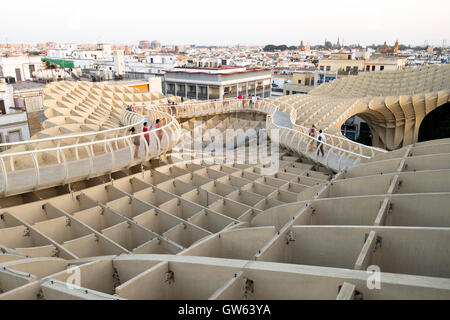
[
  {"x": 302, "y": 46},
  {"x": 396, "y": 47}
]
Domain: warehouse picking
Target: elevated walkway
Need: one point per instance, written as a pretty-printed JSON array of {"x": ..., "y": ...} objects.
[
  {"x": 82, "y": 156},
  {"x": 340, "y": 152}
]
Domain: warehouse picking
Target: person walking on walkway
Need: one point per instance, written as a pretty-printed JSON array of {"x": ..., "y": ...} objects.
[
  {"x": 322, "y": 140},
  {"x": 312, "y": 133},
  {"x": 158, "y": 132},
  {"x": 136, "y": 142},
  {"x": 254, "y": 99},
  {"x": 147, "y": 135}
]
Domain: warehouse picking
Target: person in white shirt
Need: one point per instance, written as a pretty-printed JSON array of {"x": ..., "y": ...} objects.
[
  {"x": 254, "y": 100},
  {"x": 322, "y": 140}
]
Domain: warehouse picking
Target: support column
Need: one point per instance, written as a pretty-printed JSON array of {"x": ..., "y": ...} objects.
[
  {"x": 207, "y": 92},
  {"x": 196, "y": 91},
  {"x": 185, "y": 90},
  {"x": 220, "y": 92},
  {"x": 246, "y": 89},
  {"x": 175, "y": 85},
  {"x": 256, "y": 86}
]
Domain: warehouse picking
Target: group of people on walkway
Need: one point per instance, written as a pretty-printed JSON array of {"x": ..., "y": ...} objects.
[
  {"x": 173, "y": 106},
  {"x": 321, "y": 137},
  {"x": 159, "y": 123},
  {"x": 130, "y": 108}
]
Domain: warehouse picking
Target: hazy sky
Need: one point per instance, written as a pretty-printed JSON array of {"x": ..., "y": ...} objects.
[{"x": 213, "y": 22}]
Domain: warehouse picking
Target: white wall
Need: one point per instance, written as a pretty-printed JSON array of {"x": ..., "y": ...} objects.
[
  {"x": 10, "y": 64},
  {"x": 12, "y": 122},
  {"x": 7, "y": 95}
]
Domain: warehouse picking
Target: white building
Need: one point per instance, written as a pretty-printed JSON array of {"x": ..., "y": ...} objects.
[
  {"x": 6, "y": 97},
  {"x": 218, "y": 83},
  {"x": 119, "y": 63},
  {"x": 20, "y": 68},
  {"x": 62, "y": 50},
  {"x": 71, "y": 51},
  {"x": 385, "y": 63},
  {"x": 14, "y": 127},
  {"x": 13, "y": 119}
]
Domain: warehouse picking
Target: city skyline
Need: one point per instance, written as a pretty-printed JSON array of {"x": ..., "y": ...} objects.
[{"x": 245, "y": 23}]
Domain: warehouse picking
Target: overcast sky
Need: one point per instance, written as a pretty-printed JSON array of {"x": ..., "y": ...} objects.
[{"x": 229, "y": 22}]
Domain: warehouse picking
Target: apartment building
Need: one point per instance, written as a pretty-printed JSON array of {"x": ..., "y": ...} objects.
[
  {"x": 20, "y": 110},
  {"x": 385, "y": 63},
  {"x": 343, "y": 63},
  {"x": 218, "y": 83},
  {"x": 19, "y": 68},
  {"x": 302, "y": 83}
]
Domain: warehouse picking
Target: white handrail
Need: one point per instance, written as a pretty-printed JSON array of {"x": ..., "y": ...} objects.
[
  {"x": 273, "y": 108},
  {"x": 76, "y": 135},
  {"x": 171, "y": 132},
  {"x": 292, "y": 115}
]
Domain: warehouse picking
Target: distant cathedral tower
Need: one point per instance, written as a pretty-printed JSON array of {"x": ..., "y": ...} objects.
[
  {"x": 396, "y": 47},
  {"x": 302, "y": 46},
  {"x": 338, "y": 44}
]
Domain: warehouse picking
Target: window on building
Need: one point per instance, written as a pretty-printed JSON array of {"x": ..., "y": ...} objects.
[
  {"x": 299, "y": 81},
  {"x": 328, "y": 68},
  {"x": 367, "y": 68},
  {"x": 349, "y": 57},
  {"x": 373, "y": 68},
  {"x": 321, "y": 68},
  {"x": 18, "y": 74},
  {"x": 381, "y": 68},
  {"x": 347, "y": 69},
  {"x": 287, "y": 92},
  {"x": 171, "y": 87},
  {"x": 355, "y": 69},
  {"x": 307, "y": 82},
  {"x": 14, "y": 136},
  {"x": 31, "y": 68},
  {"x": 192, "y": 89}
]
